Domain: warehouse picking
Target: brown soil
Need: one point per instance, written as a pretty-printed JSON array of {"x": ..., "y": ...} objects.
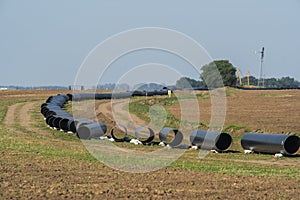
[
  {"x": 29, "y": 174},
  {"x": 262, "y": 111},
  {"x": 119, "y": 115}
]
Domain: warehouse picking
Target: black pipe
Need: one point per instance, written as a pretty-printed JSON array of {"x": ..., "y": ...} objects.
[
  {"x": 64, "y": 123},
  {"x": 211, "y": 140},
  {"x": 151, "y": 134},
  {"x": 70, "y": 96},
  {"x": 81, "y": 121},
  {"x": 55, "y": 122},
  {"x": 83, "y": 96},
  {"x": 49, "y": 120},
  {"x": 43, "y": 105},
  {"x": 103, "y": 96},
  {"x": 100, "y": 96},
  {"x": 116, "y": 139},
  {"x": 271, "y": 143},
  {"x": 163, "y": 133},
  {"x": 72, "y": 126},
  {"x": 61, "y": 119},
  {"x": 49, "y": 113},
  {"x": 138, "y": 93},
  {"x": 47, "y": 108},
  {"x": 92, "y": 130}
]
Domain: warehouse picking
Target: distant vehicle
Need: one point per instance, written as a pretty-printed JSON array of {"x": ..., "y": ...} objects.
[{"x": 3, "y": 88}]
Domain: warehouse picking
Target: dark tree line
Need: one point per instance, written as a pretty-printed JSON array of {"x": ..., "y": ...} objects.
[
  {"x": 284, "y": 82},
  {"x": 222, "y": 73},
  {"x": 186, "y": 82}
]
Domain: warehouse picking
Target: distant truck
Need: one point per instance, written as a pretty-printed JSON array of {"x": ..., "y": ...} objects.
[{"x": 3, "y": 88}]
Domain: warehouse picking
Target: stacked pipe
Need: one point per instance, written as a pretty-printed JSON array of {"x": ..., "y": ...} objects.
[{"x": 54, "y": 115}]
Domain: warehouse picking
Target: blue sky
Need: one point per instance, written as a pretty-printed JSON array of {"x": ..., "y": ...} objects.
[{"x": 45, "y": 42}]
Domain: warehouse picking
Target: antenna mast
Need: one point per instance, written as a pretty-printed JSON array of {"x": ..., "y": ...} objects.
[{"x": 261, "y": 68}]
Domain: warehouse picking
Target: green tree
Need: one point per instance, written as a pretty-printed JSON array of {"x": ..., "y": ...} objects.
[
  {"x": 218, "y": 74},
  {"x": 185, "y": 82},
  {"x": 252, "y": 80},
  {"x": 288, "y": 82}
]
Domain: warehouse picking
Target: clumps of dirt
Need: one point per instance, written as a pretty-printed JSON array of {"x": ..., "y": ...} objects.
[
  {"x": 236, "y": 133},
  {"x": 106, "y": 120}
]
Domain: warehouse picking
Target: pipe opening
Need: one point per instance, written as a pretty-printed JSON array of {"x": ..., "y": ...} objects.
[
  {"x": 72, "y": 126},
  {"x": 55, "y": 122},
  {"x": 119, "y": 133},
  {"x": 64, "y": 124},
  {"x": 144, "y": 134},
  {"x": 291, "y": 144},
  {"x": 224, "y": 141},
  {"x": 165, "y": 137},
  {"x": 83, "y": 133},
  {"x": 48, "y": 119}
]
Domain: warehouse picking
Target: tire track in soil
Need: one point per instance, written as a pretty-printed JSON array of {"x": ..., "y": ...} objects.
[
  {"x": 10, "y": 119},
  {"x": 27, "y": 122},
  {"x": 115, "y": 112},
  {"x": 10, "y": 115},
  {"x": 20, "y": 114}
]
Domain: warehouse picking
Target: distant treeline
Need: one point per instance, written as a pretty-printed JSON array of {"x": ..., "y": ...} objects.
[
  {"x": 284, "y": 82},
  {"x": 182, "y": 83},
  {"x": 12, "y": 87}
]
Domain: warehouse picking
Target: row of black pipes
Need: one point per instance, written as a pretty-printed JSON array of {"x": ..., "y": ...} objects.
[{"x": 60, "y": 119}]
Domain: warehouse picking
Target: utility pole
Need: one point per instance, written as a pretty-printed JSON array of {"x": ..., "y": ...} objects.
[{"x": 261, "y": 68}]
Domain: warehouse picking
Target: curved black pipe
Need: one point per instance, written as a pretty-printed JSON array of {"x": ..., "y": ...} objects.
[
  {"x": 271, "y": 143},
  {"x": 61, "y": 119},
  {"x": 211, "y": 140}
]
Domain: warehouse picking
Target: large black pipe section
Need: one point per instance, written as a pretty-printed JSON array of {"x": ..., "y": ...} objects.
[
  {"x": 178, "y": 136},
  {"x": 151, "y": 134},
  {"x": 271, "y": 143},
  {"x": 210, "y": 140},
  {"x": 92, "y": 130}
]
